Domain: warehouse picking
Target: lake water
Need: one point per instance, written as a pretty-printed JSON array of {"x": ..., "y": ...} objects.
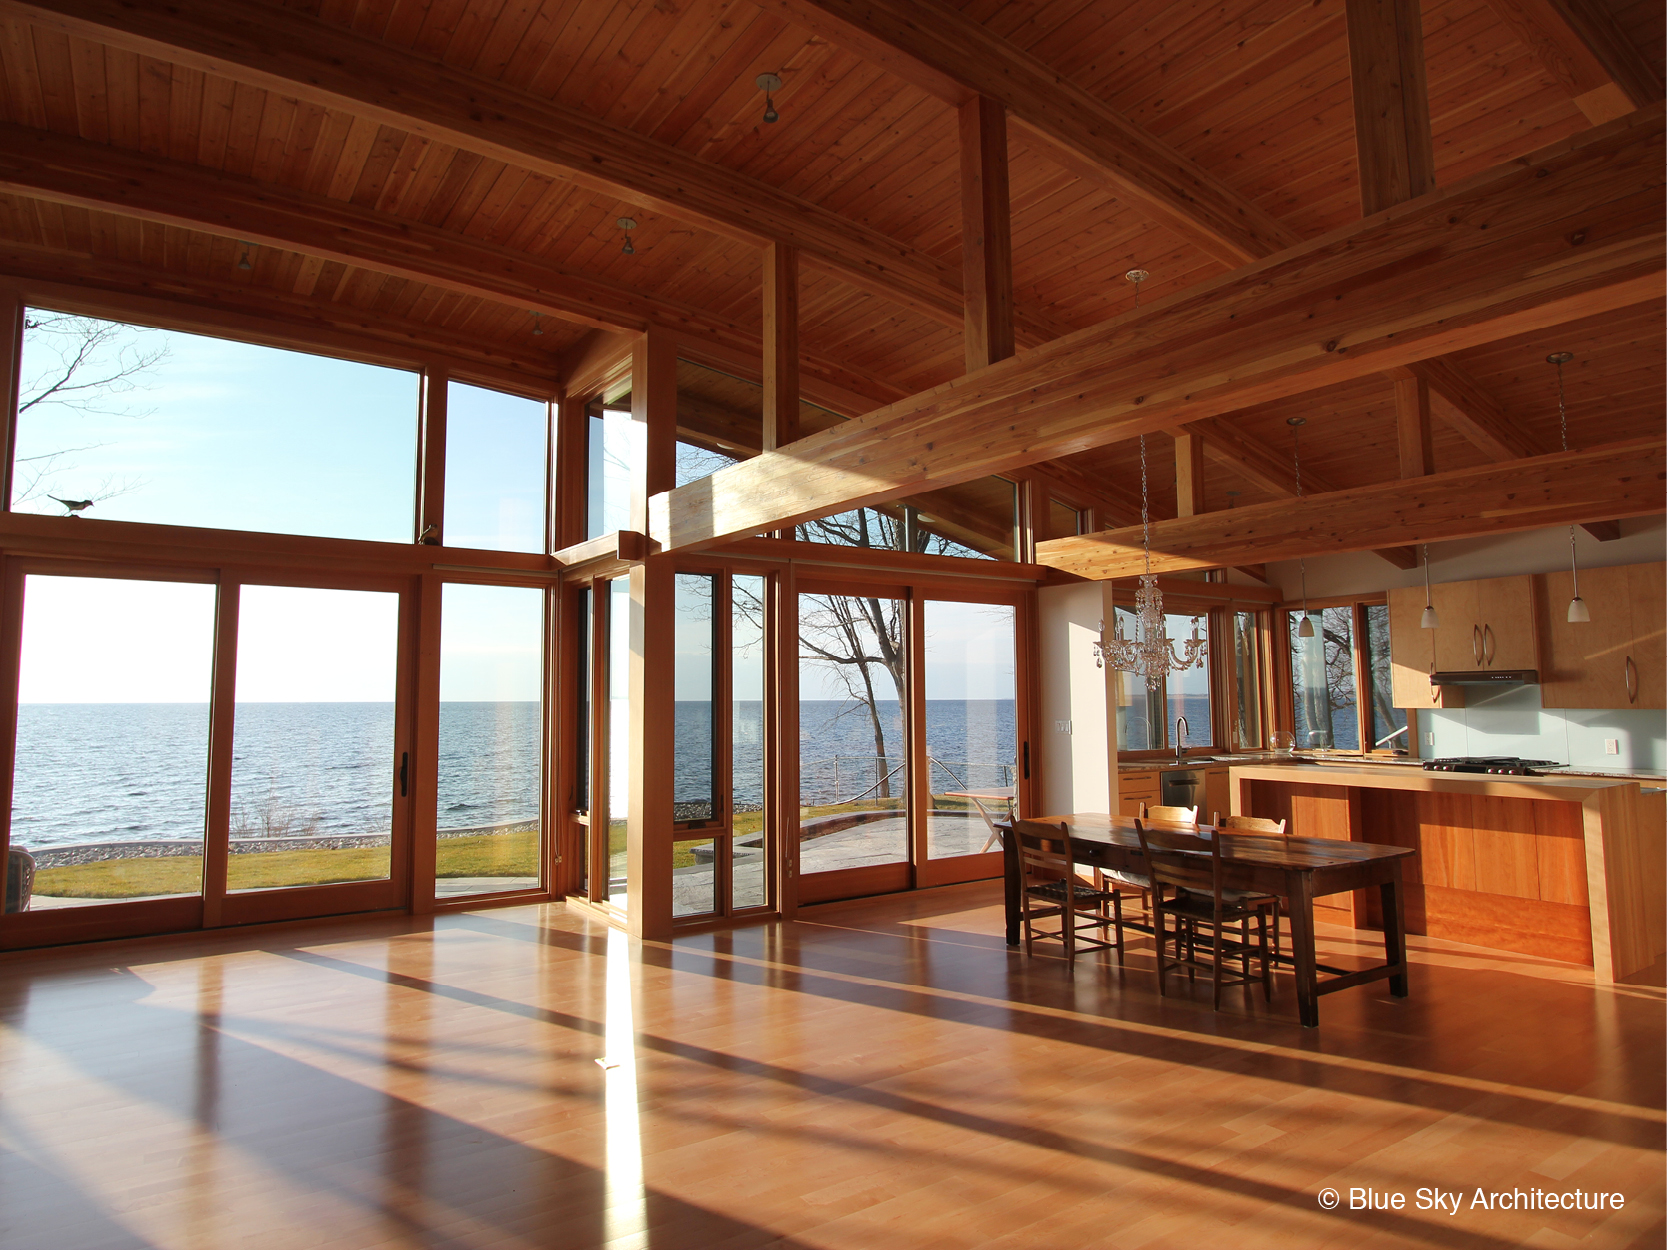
[{"x": 91, "y": 772}]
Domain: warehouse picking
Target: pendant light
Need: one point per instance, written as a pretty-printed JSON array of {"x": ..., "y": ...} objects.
[
  {"x": 1306, "y": 629},
  {"x": 1579, "y": 613},
  {"x": 1429, "y": 620},
  {"x": 627, "y": 224},
  {"x": 1137, "y": 276},
  {"x": 768, "y": 84}
]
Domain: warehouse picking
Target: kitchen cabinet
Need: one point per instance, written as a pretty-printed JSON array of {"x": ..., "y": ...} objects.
[
  {"x": 1135, "y": 788},
  {"x": 1218, "y": 794},
  {"x": 1490, "y": 624},
  {"x": 1615, "y": 660}
]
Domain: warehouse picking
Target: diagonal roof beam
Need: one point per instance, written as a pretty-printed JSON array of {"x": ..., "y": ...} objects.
[
  {"x": 295, "y": 55},
  {"x": 944, "y": 52},
  {"x": 1573, "y": 231},
  {"x": 62, "y": 170},
  {"x": 1580, "y": 44},
  {"x": 1558, "y": 489}
]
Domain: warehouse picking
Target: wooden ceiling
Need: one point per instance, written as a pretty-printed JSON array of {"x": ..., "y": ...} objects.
[{"x": 1255, "y": 92}]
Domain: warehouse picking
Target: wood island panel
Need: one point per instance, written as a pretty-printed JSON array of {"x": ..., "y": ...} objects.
[{"x": 1561, "y": 868}]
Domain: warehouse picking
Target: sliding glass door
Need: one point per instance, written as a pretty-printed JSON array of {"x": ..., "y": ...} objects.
[{"x": 910, "y": 744}]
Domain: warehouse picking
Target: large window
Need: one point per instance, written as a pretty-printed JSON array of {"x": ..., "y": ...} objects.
[
  {"x": 975, "y": 520},
  {"x": 612, "y": 450},
  {"x": 1348, "y": 654},
  {"x": 970, "y": 711},
  {"x": 1148, "y": 719},
  {"x": 127, "y": 424},
  {"x": 496, "y": 464}
]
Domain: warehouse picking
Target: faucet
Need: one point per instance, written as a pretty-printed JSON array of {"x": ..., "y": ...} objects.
[{"x": 1181, "y": 731}]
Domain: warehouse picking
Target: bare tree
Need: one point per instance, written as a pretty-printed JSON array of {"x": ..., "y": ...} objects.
[{"x": 83, "y": 366}]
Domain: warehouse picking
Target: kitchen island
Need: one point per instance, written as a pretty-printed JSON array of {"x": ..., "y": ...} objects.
[{"x": 1569, "y": 868}]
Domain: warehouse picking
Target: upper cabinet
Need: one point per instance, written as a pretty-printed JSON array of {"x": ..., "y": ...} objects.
[
  {"x": 1615, "y": 660},
  {"x": 1485, "y": 625}
]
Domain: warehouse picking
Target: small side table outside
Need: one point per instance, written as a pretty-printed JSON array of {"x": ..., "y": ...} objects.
[{"x": 997, "y": 794}]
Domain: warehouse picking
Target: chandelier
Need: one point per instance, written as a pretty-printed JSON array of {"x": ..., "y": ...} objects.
[{"x": 1149, "y": 653}]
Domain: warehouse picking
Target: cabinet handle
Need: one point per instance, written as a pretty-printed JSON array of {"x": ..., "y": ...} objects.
[
  {"x": 1476, "y": 644},
  {"x": 1489, "y": 644},
  {"x": 1631, "y": 681}
]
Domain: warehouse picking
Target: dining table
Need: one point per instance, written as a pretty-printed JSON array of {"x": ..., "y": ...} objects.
[{"x": 1297, "y": 869}]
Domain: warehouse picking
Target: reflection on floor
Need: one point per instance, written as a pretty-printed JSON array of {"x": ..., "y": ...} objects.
[{"x": 877, "y": 1075}]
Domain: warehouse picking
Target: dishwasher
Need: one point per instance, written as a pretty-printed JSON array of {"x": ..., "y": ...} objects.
[{"x": 1181, "y": 787}]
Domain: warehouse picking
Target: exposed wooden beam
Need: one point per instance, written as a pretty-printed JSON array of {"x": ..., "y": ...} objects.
[
  {"x": 781, "y": 345},
  {"x": 1412, "y": 427},
  {"x": 1189, "y": 475},
  {"x": 1396, "y": 156},
  {"x": 654, "y": 414},
  {"x": 296, "y": 55},
  {"x": 1250, "y": 458},
  {"x": 64, "y": 170},
  {"x": 117, "y": 290},
  {"x": 1464, "y": 405},
  {"x": 1488, "y": 258},
  {"x": 953, "y": 56},
  {"x": 1559, "y": 489},
  {"x": 1579, "y": 43},
  {"x": 986, "y": 233}
]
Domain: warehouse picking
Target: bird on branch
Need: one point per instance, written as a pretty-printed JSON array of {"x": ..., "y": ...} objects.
[{"x": 75, "y": 506}]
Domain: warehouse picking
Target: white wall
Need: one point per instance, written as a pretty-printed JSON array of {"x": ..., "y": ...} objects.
[{"x": 1075, "y": 764}]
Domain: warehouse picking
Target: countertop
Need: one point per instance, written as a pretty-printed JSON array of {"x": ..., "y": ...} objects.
[
  {"x": 1356, "y": 762},
  {"x": 1572, "y": 789}
]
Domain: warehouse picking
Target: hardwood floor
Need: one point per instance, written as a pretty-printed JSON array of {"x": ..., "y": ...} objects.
[{"x": 880, "y": 1074}]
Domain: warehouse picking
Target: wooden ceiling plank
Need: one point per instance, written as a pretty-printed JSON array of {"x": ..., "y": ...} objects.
[
  {"x": 1559, "y": 489},
  {"x": 1072, "y": 126},
  {"x": 1579, "y": 44},
  {"x": 1486, "y": 259},
  {"x": 289, "y": 52}
]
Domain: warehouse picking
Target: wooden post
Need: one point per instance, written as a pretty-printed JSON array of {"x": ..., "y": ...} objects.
[
  {"x": 1412, "y": 426},
  {"x": 782, "y": 768},
  {"x": 431, "y": 457},
  {"x": 781, "y": 345},
  {"x": 1189, "y": 475},
  {"x": 648, "y": 830},
  {"x": 986, "y": 233},
  {"x": 654, "y": 416},
  {"x": 570, "y": 486},
  {"x": 221, "y": 731},
  {"x": 1391, "y": 102},
  {"x": 11, "y": 360},
  {"x": 425, "y": 746}
]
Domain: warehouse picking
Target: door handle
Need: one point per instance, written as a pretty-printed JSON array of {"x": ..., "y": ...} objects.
[
  {"x": 1490, "y": 644},
  {"x": 404, "y": 773},
  {"x": 1027, "y": 761},
  {"x": 1631, "y": 681},
  {"x": 1476, "y": 644}
]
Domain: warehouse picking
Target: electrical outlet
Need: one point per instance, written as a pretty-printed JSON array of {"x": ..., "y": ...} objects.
[
  {"x": 1429, "y": 739},
  {"x": 1611, "y": 746},
  {"x": 1064, "y": 726}
]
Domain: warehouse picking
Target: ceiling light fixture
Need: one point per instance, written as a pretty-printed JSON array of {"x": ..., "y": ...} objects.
[
  {"x": 769, "y": 84},
  {"x": 1306, "y": 629},
  {"x": 243, "y": 261},
  {"x": 1150, "y": 653},
  {"x": 627, "y": 224},
  {"x": 538, "y": 327},
  {"x": 1137, "y": 276},
  {"x": 1579, "y": 613}
]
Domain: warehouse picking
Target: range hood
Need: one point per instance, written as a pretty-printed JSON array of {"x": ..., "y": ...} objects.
[{"x": 1487, "y": 677}]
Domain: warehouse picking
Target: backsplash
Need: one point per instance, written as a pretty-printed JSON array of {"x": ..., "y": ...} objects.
[{"x": 1512, "y": 722}]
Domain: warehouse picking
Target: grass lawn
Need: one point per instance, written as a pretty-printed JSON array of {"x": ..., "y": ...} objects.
[{"x": 488, "y": 855}]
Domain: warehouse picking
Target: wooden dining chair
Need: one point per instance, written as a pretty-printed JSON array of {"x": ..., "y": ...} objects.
[
  {"x": 1186, "y": 885},
  {"x": 1173, "y": 815},
  {"x": 1258, "y": 824},
  {"x": 1050, "y": 887},
  {"x": 1123, "y": 879}
]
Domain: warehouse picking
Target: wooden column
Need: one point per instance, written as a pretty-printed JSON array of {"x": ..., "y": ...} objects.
[
  {"x": 654, "y": 416},
  {"x": 782, "y": 767},
  {"x": 1189, "y": 475},
  {"x": 1412, "y": 427},
  {"x": 1391, "y": 102},
  {"x": 424, "y": 772},
  {"x": 986, "y": 233},
  {"x": 431, "y": 464},
  {"x": 648, "y": 830},
  {"x": 11, "y": 358},
  {"x": 569, "y": 476},
  {"x": 781, "y": 345}
]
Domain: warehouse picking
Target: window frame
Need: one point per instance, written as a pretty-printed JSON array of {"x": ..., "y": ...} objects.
[
  {"x": 1284, "y": 678},
  {"x": 1214, "y": 621}
]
